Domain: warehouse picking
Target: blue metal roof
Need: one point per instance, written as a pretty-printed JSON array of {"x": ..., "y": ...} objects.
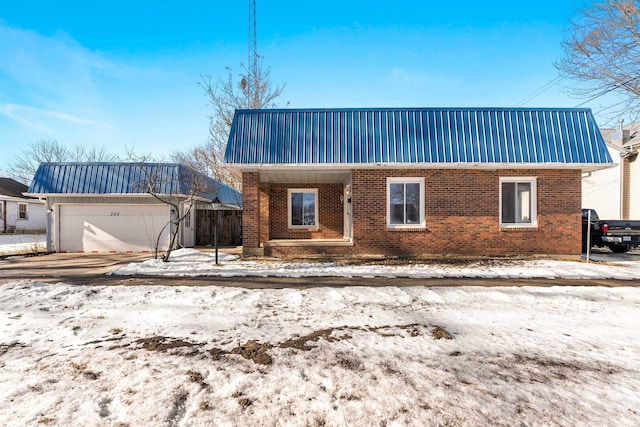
[
  {"x": 415, "y": 136},
  {"x": 126, "y": 178}
]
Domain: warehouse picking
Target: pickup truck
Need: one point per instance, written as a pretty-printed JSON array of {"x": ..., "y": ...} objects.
[{"x": 619, "y": 235}]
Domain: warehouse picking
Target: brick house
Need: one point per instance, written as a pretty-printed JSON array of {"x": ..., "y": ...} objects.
[{"x": 413, "y": 182}]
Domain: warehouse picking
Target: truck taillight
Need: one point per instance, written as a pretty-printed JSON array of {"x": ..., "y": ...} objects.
[{"x": 605, "y": 228}]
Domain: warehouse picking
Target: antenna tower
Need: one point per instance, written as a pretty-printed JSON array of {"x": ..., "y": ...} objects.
[{"x": 253, "y": 53}]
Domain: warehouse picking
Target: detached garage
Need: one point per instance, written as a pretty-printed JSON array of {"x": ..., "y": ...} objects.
[{"x": 126, "y": 207}]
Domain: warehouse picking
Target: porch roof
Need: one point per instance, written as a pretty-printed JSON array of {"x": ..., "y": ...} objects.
[{"x": 426, "y": 137}]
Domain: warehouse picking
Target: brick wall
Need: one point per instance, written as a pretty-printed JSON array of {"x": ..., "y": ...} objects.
[
  {"x": 330, "y": 213},
  {"x": 265, "y": 212},
  {"x": 250, "y": 210},
  {"x": 462, "y": 214},
  {"x": 461, "y": 211}
]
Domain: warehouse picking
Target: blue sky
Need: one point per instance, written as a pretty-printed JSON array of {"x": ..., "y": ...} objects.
[{"x": 124, "y": 74}]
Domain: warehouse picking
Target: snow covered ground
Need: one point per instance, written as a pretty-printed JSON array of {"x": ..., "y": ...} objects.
[
  {"x": 22, "y": 243},
  {"x": 190, "y": 262},
  {"x": 154, "y": 355},
  {"x": 137, "y": 355}
]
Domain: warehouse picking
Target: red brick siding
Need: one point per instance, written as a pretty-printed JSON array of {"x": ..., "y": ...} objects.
[
  {"x": 265, "y": 214},
  {"x": 330, "y": 213},
  {"x": 250, "y": 210},
  {"x": 462, "y": 214},
  {"x": 461, "y": 210},
  {"x": 302, "y": 251}
]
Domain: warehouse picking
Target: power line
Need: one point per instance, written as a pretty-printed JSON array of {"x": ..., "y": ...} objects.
[
  {"x": 539, "y": 91},
  {"x": 604, "y": 92}
]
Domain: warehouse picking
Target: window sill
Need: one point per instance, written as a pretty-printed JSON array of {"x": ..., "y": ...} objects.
[
  {"x": 519, "y": 227},
  {"x": 400, "y": 229}
]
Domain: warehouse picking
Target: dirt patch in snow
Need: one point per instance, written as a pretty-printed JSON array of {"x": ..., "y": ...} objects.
[
  {"x": 4, "y": 348},
  {"x": 259, "y": 353},
  {"x": 163, "y": 343},
  {"x": 301, "y": 343},
  {"x": 439, "y": 333},
  {"x": 253, "y": 350}
]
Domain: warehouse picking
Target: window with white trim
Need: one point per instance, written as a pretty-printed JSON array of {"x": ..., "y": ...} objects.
[
  {"x": 302, "y": 207},
  {"x": 22, "y": 211},
  {"x": 518, "y": 202},
  {"x": 405, "y": 202},
  {"x": 187, "y": 218}
]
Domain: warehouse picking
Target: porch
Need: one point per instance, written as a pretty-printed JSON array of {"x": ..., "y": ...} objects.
[
  {"x": 307, "y": 247},
  {"x": 297, "y": 213}
]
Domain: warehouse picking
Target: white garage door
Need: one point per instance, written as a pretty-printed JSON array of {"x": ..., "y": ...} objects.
[{"x": 109, "y": 228}]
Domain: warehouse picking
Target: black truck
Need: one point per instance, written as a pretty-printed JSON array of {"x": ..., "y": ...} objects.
[{"x": 619, "y": 235}]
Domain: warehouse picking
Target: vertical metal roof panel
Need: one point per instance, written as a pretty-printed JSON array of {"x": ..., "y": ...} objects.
[
  {"x": 126, "y": 178},
  {"x": 418, "y": 135}
]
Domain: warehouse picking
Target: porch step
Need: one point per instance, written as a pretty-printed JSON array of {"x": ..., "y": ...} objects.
[{"x": 307, "y": 242}]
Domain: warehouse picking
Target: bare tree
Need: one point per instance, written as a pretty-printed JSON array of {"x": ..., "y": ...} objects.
[
  {"x": 603, "y": 53},
  {"x": 82, "y": 153},
  {"x": 193, "y": 185},
  {"x": 204, "y": 159},
  {"x": 25, "y": 164},
  {"x": 254, "y": 91}
]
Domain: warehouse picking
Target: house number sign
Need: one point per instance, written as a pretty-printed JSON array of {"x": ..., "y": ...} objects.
[{"x": 115, "y": 213}]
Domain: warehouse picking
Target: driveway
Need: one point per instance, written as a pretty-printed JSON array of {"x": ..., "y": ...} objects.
[
  {"x": 63, "y": 267},
  {"x": 605, "y": 255},
  {"x": 92, "y": 269}
]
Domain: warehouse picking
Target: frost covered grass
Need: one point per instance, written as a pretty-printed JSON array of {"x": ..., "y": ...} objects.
[{"x": 144, "y": 355}]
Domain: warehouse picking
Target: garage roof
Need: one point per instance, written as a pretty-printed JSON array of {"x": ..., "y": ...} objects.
[
  {"x": 107, "y": 178},
  {"x": 512, "y": 137}
]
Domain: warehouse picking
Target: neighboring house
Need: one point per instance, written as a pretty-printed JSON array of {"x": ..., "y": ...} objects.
[
  {"x": 611, "y": 191},
  {"x": 19, "y": 213},
  {"x": 109, "y": 207},
  {"x": 413, "y": 182}
]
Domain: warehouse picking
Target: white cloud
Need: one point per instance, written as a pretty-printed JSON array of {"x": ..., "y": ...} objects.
[
  {"x": 12, "y": 109},
  {"x": 49, "y": 79}
]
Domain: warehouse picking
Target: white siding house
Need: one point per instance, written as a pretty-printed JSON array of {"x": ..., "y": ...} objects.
[
  {"x": 615, "y": 192},
  {"x": 19, "y": 213}
]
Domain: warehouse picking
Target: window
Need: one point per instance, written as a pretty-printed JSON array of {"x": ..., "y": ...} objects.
[
  {"x": 187, "y": 219},
  {"x": 22, "y": 211},
  {"x": 518, "y": 202},
  {"x": 405, "y": 202},
  {"x": 302, "y": 207}
]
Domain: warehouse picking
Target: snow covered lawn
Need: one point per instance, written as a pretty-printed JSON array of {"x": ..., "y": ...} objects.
[
  {"x": 94, "y": 355},
  {"x": 22, "y": 243},
  {"x": 190, "y": 262}
]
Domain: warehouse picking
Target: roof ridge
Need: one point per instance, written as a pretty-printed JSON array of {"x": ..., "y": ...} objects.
[
  {"x": 370, "y": 109},
  {"x": 115, "y": 163}
]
